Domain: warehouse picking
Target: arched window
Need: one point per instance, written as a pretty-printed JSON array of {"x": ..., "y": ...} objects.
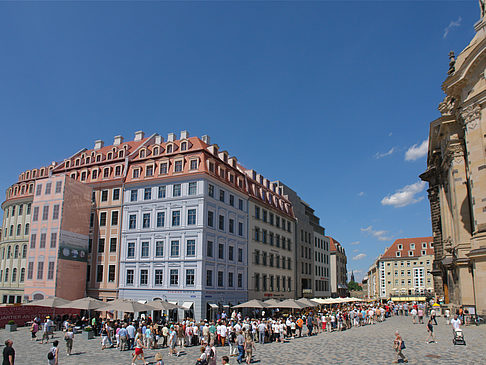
[
  {"x": 156, "y": 151},
  {"x": 24, "y": 251},
  {"x": 14, "y": 275},
  {"x": 120, "y": 154},
  {"x": 9, "y": 251},
  {"x": 22, "y": 275},
  {"x": 6, "y": 274},
  {"x": 16, "y": 251},
  {"x": 31, "y": 188},
  {"x": 169, "y": 149},
  {"x": 183, "y": 146},
  {"x": 142, "y": 154},
  {"x": 108, "y": 156},
  {"x": 26, "y": 229},
  {"x": 19, "y": 229},
  {"x": 98, "y": 158}
]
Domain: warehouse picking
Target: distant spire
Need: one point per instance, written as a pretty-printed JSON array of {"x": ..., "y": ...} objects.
[{"x": 352, "y": 276}]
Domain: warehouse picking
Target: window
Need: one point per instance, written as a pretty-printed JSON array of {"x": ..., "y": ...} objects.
[
  {"x": 40, "y": 270},
  {"x": 221, "y": 222},
  {"x": 412, "y": 246},
  {"x": 104, "y": 195},
  {"x": 58, "y": 187},
  {"x": 55, "y": 212},
  {"x": 191, "y": 248},
  {"x": 264, "y": 215},
  {"x": 211, "y": 190},
  {"x": 24, "y": 251},
  {"x": 209, "y": 278},
  {"x": 45, "y": 213},
  {"x": 133, "y": 195},
  {"x": 209, "y": 249},
  {"x": 146, "y": 220},
  {"x": 116, "y": 194},
  {"x": 129, "y": 277},
  {"x": 257, "y": 212},
  {"x": 118, "y": 170},
  {"x": 158, "y": 277},
  {"x": 149, "y": 171},
  {"x": 159, "y": 248},
  {"x": 257, "y": 234},
  {"x": 101, "y": 245},
  {"x": 232, "y": 200},
  {"x": 50, "y": 270},
  {"x": 48, "y": 188},
  {"x": 94, "y": 174},
  {"x": 163, "y": 168},
  {"x": 221, "y": 196},
  {"x": 178, "y": 166},
  {"x": 38, "y": 190},
  {"x": 136, "y": 173},
  {"x": 131, "y": 250},
  {"x": 240, "y": 255},
  {"x": 240, "y": 280},
  {"x": 22, "y": 275},
  {"x": 106, "y": 173},
  {"x": 99, "y": 273},
  {"x": 240, "y": 204},
  {"x": 174, "y": 248},
  {"x": 271, "y": 218},
  {"x": 210, "y": 219},
  {"x": 231, "y": 253},
  {"x": 113, "y": 244},
  {"x": 221, "y": 251},
  {"x": 143, "y": 277},
  {"x": 193, "y": 165},
  {"x": 192, "y": 188},
  {"x": 145, "y": 249},
  {"x": 132, "y": 221},
  {"x": 257, "y": 282},
  {"x": 176, "y": 218},
  {"x": 147, "y": 194},
  {"x": 35, "y": 216},
  {"x": 220, "y": 278},
  {"x": 33, "y": 238},
  {"x": 41, "y": 245},
  {"x": 231, "y": 226},
  {"x": 240, "y": 228},
  {"x": 53, "y": 239},
  {"x": 19, "y": 229},
  {"x": 160, "y": 219},
  {"x": 30, "y": 270},
  {"x": 114, "y": 218},
  {"x": 102, "y": 219},
  {"x": 176, "y": 190},
  {"x": 191, "y": 217},
  {"x": 174, "y": 277},
  {"x": 230, "y": 279},
  {"x": 161, "y": 192},
  {"x": 28, "y": 208},
  {"x": 190, "y": 277},
  {"x": 398, "y": 253}
]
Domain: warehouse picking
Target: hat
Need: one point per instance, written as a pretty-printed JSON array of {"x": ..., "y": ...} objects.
[
  {"x": 48, "y": 316},
  {"x": 158, "y": 356}
]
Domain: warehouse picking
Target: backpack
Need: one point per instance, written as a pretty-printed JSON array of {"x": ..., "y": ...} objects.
[
  {"x": 50, "y": 355},
  {"x": 201, "y": 362}
]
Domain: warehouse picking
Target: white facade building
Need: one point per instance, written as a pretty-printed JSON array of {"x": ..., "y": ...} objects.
[{"x": 185, "y": 241}]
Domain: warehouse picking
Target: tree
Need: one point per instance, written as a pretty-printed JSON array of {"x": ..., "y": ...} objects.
[{"x": 353, "y": 285}]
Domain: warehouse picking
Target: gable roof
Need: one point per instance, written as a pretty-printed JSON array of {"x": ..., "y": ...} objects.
[{"x": 406, "y": 243}]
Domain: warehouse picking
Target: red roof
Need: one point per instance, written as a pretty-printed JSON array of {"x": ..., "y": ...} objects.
[
  {"x": 404, "y": 246},
  {"x": 333, "y": 244}
]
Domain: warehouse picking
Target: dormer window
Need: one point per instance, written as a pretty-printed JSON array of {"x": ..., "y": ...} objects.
[
  {"x": 424, "y": 252},
  {"x": 76, "y": 163},
  {"x": 136, "y": 173},
  {"x": 412, "y": 246},
  {"x": 120, "y": 153},
  {"x": 169, "y": 149},
  {"x": 28, "y": 175},
  {"x": 183, "y": 146},
  {"x": 399, "y": 254},
  {"x": 109, "y": 155},
  {"x": 106, "y": 173},
  {"x": 94, "y": 174},
  {"x": 424, "y": 244},
  {"x": 400, "y": 247},
  {"x": 410, "y": 253},
  {"x": 98, "y": 158},
  {"x": 34, "y": 173},
  {"x": 67, "y": 165},
  {"x": 88, "y": 160},
  {"x": 141, "y": 154},
  {"x": 156, "y": 151}
]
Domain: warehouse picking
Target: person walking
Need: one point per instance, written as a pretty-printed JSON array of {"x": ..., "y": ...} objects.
[
  {"x": 53, "y": 355},
  {"x": 8, "y": 353},
  {"x": 69, "y": 338},
  {"x": 131, "y": 335},
  {"x": 249, "y": 347},
  {"x": 33, "y": 330},
  {"x": 399, "y": 346},
  {"x": 240, "y": 340},
  {"x": 430, "y": 330},
  {"x": 261, "y": 332},
  {"x": 138, "y": 353}
]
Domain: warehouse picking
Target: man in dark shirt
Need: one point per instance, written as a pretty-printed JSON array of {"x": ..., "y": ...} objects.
[{"x": 8, "y": 353}]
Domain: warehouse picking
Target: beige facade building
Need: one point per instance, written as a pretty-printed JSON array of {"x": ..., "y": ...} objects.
[
  {"x": 338, "y": 267},
  {"x": 456, "y": 173},
  {"x": 271, "y": 248}
]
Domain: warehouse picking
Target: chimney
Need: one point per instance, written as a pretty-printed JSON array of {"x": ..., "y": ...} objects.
[
  {"x": 98, "y": 144},
  {"x": 139, "y": 135},
  {"x": 118, "y": 140},
  {"x": 171, "y": 137},
  {"x": 158, "y": 139},
  {"x": 184, "y": 135},
  {"x": 206, "y": 139}
]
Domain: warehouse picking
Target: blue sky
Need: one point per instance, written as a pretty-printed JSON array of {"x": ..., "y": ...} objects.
[{"x": 325, "y": 96}]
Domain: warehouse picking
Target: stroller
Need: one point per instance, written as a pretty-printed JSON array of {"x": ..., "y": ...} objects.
[{"x": 458, "y": 337}]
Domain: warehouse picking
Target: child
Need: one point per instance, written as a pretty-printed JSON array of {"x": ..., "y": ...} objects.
[
  {"x": 225, "y": 360},
  {"x": 158, "y": 358}
]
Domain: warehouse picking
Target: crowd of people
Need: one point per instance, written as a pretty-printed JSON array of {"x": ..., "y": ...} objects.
[{"x": 229, "y": 336}]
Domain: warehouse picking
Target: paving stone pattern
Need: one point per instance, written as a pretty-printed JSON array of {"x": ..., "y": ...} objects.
[{"x": 372, "y": 344}]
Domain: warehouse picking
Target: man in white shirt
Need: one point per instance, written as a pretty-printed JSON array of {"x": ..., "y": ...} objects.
[
  {"x": 224, "y": 331},
  {"x": 456, "y": 323},
  {"x": 261, "y": 332}
]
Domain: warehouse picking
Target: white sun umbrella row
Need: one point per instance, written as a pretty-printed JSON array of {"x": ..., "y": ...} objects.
[
  {"x": 273, "y": 303},
  {"x": 336, "y": 300}
]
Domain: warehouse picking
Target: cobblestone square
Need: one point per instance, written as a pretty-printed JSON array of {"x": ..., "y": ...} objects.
[{"x": 371, "y": 344}]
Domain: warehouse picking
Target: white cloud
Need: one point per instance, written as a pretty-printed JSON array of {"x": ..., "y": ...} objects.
[
  {"x": 415, "y": 152},
  {"x": 361, "y": 193},
  {"x": 359, "y": 256},
  {"x": 452, "y": 24},
  {"x": 380, "y": 235},
  {"x": 390, "y": 134},
  {"x": 356, "y": 250},
  {"x": 405, "y": 196},
  {"x": 355, "y": 243},
  {"x": 379, "y": 155}
]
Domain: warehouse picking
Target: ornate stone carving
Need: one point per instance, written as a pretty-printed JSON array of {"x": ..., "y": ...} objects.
[
  {"x": 471, "y": 115},
  {"x": 446, "y": 107}
]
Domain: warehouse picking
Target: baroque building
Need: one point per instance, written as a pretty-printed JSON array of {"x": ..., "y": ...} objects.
[{"x": 456, "y": 173}]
